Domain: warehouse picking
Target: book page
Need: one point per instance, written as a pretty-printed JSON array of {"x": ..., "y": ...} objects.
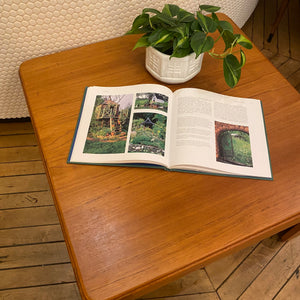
[
  {"x": 123, "y": 125},
  {"x": 218, "y": 133}
]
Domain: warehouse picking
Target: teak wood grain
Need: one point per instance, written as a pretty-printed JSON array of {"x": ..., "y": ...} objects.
[{"x": 131, "y": 230}]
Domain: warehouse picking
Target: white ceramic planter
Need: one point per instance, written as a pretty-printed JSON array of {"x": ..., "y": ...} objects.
[{"x": 174, "y": 70}]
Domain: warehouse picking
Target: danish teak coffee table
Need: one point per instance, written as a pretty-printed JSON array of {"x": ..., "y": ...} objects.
[{"x": 132, "y": 230}]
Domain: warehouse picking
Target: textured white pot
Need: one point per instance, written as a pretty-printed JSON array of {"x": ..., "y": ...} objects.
[{"x": 174, "y": 70}]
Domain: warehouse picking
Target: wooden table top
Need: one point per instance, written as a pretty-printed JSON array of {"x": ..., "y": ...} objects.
[{"x": 131, "y": 230}]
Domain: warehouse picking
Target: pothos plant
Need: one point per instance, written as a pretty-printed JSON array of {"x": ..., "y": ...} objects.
[{"x": 178, "y": 33}]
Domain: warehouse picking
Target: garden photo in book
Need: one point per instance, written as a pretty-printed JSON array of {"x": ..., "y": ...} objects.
[{"x": 109, "y": 124}]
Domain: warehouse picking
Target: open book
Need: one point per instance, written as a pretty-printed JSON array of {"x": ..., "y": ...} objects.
[{"x": 189, "y": 130}]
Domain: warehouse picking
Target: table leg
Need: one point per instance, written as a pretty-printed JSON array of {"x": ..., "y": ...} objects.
[{"x": 279, "y": 16}]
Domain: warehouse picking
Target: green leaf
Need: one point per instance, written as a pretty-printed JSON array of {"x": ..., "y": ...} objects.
[
  {"x": 211, "y": 24},
  {"x": 228, "y": 38},
  {"x": 196, "y": 26},
  {"x": 243, "y": 58},
  {"x": 164, "y": 38},
  {"x": 215, "y": 17},
  {"x": 208, "y": 44},
  {"x": 197, "y": 42},
  {"x": 185, "y": 17},
  {"x": 244, "y": 42},
  {"x": 142, "y": 42},
  {"x": 166, "y": 19},
  {"x": 232, "y": 70},
  {"x": 207, "y": 24},
  {"x": 181, "y": 52},
  {"x": 202, "y": 21},
  {"x": 224, "y": 25},
  {"x": 140, "y": 21},
  {"x": 201, "y": 43},
  {"x": 166, "y": 47},
  {"x": 181, "y": 43},
  {"x": 151, "y": 10},
  {"x": 171, "y": 10},
  {"x": 159, "y": 36},
  {"x": 209, "y": 8},
  {"x": 181, "y": 29}
]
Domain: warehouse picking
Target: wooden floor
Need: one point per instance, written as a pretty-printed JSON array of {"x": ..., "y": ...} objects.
[
  {"x": 34, "y": 263},
  {"x": 284, "y": 49}
]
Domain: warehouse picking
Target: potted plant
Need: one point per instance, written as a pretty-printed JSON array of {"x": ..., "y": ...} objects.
[{"x": 174, "y": 35}]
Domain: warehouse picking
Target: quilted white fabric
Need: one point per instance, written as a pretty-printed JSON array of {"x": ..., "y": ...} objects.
[{"x": 37, "y": 27}]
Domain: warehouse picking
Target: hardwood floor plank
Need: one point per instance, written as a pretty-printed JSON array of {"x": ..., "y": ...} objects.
[
  {"x": 289, "y": 67},
  {"x": 21, "y": 168},
  {"x": 219, "y": 270},
  {"x": 248, "y": 27},
  {"x": 18, "y": 140},
  {"x": 249, "y": 269},
  {"x": 291, "y": 289},
  {"x": 193, "y": 283},
  {"x": 283, "y": 33},
  {"x": 258, "y": 25},
  {"x": 294, "y": 16},
  {"x": 35, "y": 276},
  {"x": 21, "y": 184},
  {"x": 31, "y": 235},
  {"x": 25, "y": 217},
  {"x": 67, "y": 291},
  {"x": 267, "y": 53},
  {"x": 33, "y": 255},
  {"x": 276, "y": 273},
  {"x": 278, "y": 60},
  {"x": 269, "y": 18},
  {"x": 15, "y": 128},
  {"x": 294, "y": 79},
  {"x": 24, "y": 200},
  {"x": 15, "y": 154},
  {"x": 204, "y": 296}
]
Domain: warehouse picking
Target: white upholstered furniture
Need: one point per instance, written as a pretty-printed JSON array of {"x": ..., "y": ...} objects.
[{"x": 34, "y": 28}]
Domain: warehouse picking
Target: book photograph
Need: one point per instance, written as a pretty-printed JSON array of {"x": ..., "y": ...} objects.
[
  {"x": 148, "y": 133},
  {"x": 109, "y": 124},
  {"x": 233, "y": 144},
  {"x": 151, "y": 101}
]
